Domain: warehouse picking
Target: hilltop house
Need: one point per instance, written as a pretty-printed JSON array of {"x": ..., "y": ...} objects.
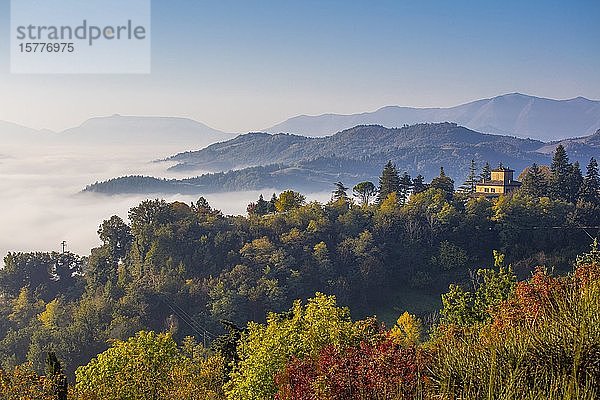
[{"x": 501, "y": 182}]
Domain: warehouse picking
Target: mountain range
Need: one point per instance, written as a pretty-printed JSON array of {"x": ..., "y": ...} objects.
[
  {"x": 511, "y": 114},
  {"x": 261, "y": 160},
  {"x": 117, "y": 130}
]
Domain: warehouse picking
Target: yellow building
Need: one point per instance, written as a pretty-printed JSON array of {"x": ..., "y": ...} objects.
[{"x": 501, "y": 182}]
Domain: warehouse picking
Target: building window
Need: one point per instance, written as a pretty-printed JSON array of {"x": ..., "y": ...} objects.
[
  {"x": 493, "y": 190},
  {"x": 487, "y": 190}
]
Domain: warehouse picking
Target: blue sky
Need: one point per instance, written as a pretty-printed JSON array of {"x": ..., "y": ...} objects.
[{"x": 246, "y": 65}]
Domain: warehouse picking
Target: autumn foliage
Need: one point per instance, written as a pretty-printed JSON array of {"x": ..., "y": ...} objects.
[{"x": 381, "y": 370}]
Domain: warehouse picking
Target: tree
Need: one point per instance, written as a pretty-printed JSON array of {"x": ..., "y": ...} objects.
[
  {"x": 340, "y": 192},
  {"x": 389, "y": 182},
  {"x": 21, "y": 382},
  {"x": 365, "y": 191},
  {"x": 566, "y": 177},
  {"x": 486, "y": 172},
  {"x": 139, "y": 368},
  {"x": 272, "y": 203},
  {"x": 116, "y": 236},
  {"x": 261, "y": 207},
  {"x": 590, "y": 188},
  {"x": 288, "y": 200},
  {"x": 405, "y": 185},
  {"x": 534, "y": 182},
  {"x": 492, "y": 286},
  {"x": 407, "y": 331},
  {"x": 152, "y": 366},
  {"x": 444, "y": 183},
  {"x": 418, "y": 184},
  {"x": 265, "y": 349},
  {"x": 54, "y": 372},
  {"x": 469, "y": 185}
]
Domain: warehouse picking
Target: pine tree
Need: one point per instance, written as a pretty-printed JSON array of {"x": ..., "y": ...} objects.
[
  {"x": 575, "y": 182},
  {"x": 561, "y": 169},
  {"x": 364, "y": 191},
  {"x": 471, "y": 182},
  {"x": 418, "y": 184},
  {"x": 272, "y": 203},
  {"x": 535, "y": 183},
  {"x": 444, "y": 183},
  {"x": 262, "y": 206},
  {"x": 340, "y": 192},
  {"x": 486, "y": 172},
  {"x": 590, "y": 188},
  {"x": 389, "y": 182},
  {"x": 405, "y": 185}
]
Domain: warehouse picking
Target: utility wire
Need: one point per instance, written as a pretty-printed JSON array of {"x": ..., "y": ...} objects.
[{"x": 188, "y": 319}]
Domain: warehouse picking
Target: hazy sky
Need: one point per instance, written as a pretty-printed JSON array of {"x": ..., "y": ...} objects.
[{"x": 246, "y": 65}]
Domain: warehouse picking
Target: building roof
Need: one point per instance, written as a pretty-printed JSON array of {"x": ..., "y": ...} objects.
[{"x": 503, "y": 169}]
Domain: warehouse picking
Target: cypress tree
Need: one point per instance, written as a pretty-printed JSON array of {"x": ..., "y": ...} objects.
[
  {"x": 389, "y": 182},
  {"x": 55, "y": 373}
]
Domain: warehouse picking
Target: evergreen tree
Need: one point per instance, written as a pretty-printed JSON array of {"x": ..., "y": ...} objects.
[
  {"x": 486, "y": 172},
  {"x": 340, "y": 192},
  {"x": 560, "y": 181},
  {"x": 590, "y": 188},
  {"x": 261, "y": 207},
  {"x": 55, "y": 373},
  {"x": 364, "y": 191},
  {"x": 575, "y": 181},
  {"x": 405, "y": 185},
  {"x": 272, "y": 203},
  {"x": 418, "y": 184},
  {"x": 469, "y": 185},
  {"x": 444, "y": 183},
  {"x": 389, "y": 182},
  {"x": 535, "y": 183}
]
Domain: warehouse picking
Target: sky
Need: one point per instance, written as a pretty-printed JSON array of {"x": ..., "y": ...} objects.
[{"x": 240, "y": 66}]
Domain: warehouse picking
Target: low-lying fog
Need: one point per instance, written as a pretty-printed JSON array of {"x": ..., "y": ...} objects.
[{"x": 40, "y": 204}]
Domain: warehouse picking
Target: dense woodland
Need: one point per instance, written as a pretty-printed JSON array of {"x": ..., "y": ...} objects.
[{"x": 183, "y": 302}]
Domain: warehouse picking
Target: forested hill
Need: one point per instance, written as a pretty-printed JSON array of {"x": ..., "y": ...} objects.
[
  {"x": 421, "y": 148},
  {"x": 259, "y": 160}
]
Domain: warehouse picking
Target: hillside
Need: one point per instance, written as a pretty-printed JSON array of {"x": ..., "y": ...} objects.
[
  {"x": 312, "y": 164},
  {"x": 511, "y": 114},
  {"x": 421, "y": 148}
]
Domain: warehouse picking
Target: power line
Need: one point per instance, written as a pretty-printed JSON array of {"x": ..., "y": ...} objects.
[{"x": 185, "y": 317}]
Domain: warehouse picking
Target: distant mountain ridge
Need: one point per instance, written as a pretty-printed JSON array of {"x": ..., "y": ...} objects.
[
  {"x": 512, "y": 114},
  {"x": 117, "y": 130}
]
